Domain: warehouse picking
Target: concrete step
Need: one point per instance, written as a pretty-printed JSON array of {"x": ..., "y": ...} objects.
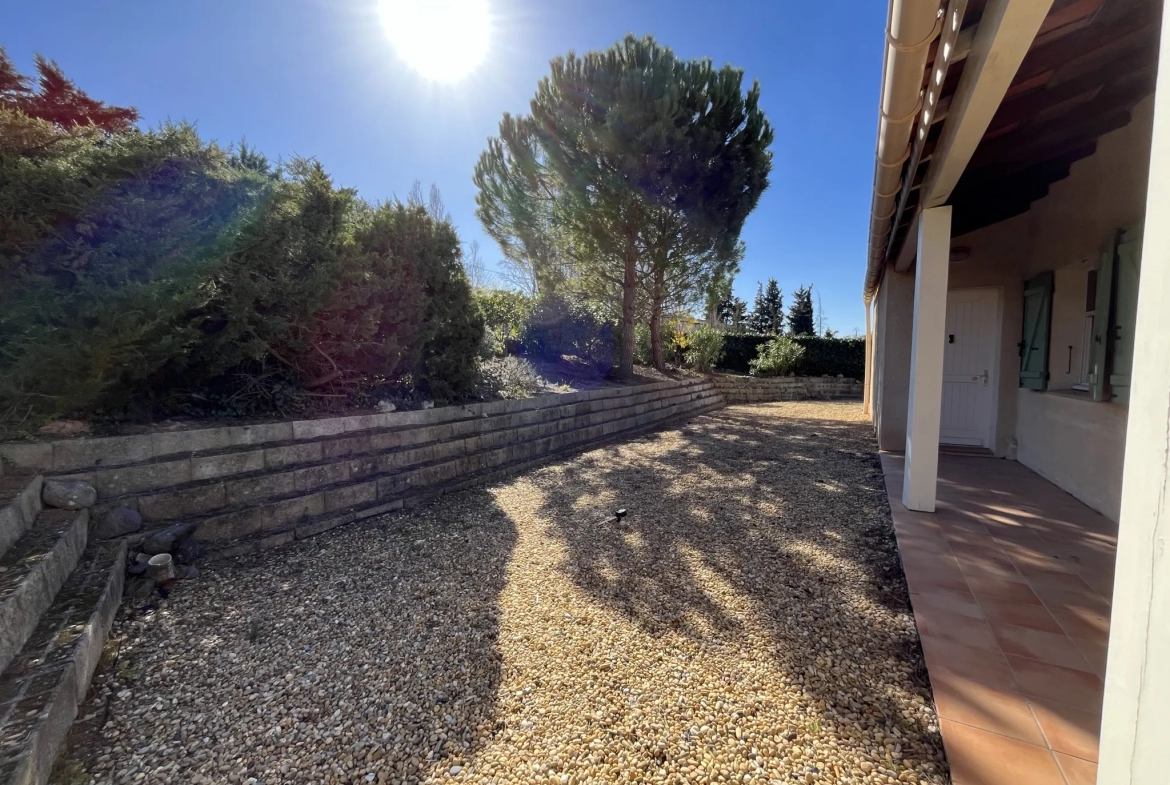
[
  {"x": 42, "y": 688},
  {"x": 374, "y": 459},
  {"x": 304, "y": 515},
  {"x": 18, "y": 509},
  {"x": 33, "y": 570}
]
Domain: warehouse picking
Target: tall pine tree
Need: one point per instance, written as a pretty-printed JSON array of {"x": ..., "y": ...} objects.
[
  {"x": 767, "y": 316},
  {"x": 801, "y": 320}
]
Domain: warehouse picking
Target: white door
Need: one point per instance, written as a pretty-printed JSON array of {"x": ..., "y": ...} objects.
[{"x": 968, "y": 399}]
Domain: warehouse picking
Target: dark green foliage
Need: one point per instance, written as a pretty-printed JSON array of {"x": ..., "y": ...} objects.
[
  {"x": 801, "y": 320},
  {"x": 767, "y": 316},
  {"x": 822, "y": 356},
  {"x": 506, "y": 313},
  {"x": 739, "y": 349},
  {"x": 569, "y": 326},
  {"x": 154, "y": 272},
  {"x": 780, "y": 356},
  {"x": 832, "y": 356},
  {"x": 105, "y": 250}
]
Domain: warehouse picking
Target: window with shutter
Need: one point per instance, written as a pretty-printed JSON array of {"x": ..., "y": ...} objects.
[
  {"x": 1099, "y": 351},
  {"x": 1116, "y": 314},
  {"x": 1037, "y": 320},
  {"x": 1126, "y": 274}
]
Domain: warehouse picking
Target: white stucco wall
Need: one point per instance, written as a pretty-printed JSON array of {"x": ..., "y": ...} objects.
[
  {"x": 893, "y": 331},
  {"x": 1077, "y": 444}
]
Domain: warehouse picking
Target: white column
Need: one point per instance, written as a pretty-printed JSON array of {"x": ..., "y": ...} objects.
[
  {"x": 867, "y": 382},
  {"x": 919, "y": 487},
  {"x": 1136, "y": 719}
]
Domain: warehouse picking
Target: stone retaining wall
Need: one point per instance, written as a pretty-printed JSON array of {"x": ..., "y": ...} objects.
[
  {"x": 239, "y": 488},
  {"x": 245, "y": 487},
  {"x": 749, "y": 389}
]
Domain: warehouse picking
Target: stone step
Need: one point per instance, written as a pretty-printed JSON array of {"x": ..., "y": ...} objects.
[
  {"x": 312, "y": 525},
  {"x": 86, "y": 454},
  {"x": 42, "y": 688},
  {"x": 19, "y": 509},
  {"x": 231, "y": 462},
  {"x": 33, "y": 570},
  {"x": 246, "y": 490}
]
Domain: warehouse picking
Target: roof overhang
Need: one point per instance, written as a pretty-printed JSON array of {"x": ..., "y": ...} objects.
[{"x": 1024, "y": 89}]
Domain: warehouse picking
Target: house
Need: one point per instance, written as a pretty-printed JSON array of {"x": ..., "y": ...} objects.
[{"x": 1018, "y": 307}]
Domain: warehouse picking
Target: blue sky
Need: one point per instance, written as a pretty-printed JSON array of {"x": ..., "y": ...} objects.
[{"x": 318, "y": 77}]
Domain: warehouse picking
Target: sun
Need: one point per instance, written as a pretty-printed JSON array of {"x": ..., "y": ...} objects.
[{"x": 443, "y": 40}]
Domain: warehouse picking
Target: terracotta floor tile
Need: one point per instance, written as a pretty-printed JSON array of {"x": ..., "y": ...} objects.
[
  {"x": 989, "y": 570},
  {"x": 1053, "y": 648},
  {"x": 989, "y": 668},
  {"x": 1078, "y": 689},
  {"x": 1101, "y": 584},
  {"x": 1068, "y": 730},
  {"x": 1077, "y": 771},
  {"x": 924, "y": 581},
  {"x": 1081, "y": 623},
  {"x": 960, "y": 602},
  {"x": 1002, "y": 590},
  {"x": 1095, "y": 652},
  {"x": 1059, "y": 598},
  {"x": 1044, "y": 562},
  {"x": 1057, "y": 580},
  {"x": 916, "y": 557},
  {"x": 979, "y": 550},
  {"x": 956, "y": 627},
  {"x": 1000, "y": 711},
  {"x": 978, "y": 757},
  {"x": 1018, "y": 614}
]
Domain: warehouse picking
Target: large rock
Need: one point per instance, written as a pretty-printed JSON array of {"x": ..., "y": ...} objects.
[
  {"x": 167, "y": 540},
  {"x": 68, "y": 494},
  {"x": 118, "y": 522}
]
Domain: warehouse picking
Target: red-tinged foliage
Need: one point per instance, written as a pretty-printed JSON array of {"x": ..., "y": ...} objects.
[{"x": 57, "y": 100}]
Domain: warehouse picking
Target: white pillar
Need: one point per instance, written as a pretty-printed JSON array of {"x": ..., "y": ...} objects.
[
  {"x": 867, "y": 382},
  {"x": 1136, "y": 719},
  {"x": 919, "y": 487}
]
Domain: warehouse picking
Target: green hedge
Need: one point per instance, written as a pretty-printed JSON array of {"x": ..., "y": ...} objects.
[{"x": 822, "y": 356}]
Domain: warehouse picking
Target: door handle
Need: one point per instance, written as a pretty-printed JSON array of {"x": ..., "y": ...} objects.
[{"x": 983, "y": 377}]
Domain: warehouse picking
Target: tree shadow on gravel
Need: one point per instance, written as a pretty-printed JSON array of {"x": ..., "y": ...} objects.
[
  {"x": 790, "y": 514},
  {"x": 368, "y": 652}
]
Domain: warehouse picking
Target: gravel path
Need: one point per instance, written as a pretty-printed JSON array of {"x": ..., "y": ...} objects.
[{"x": 747, "y": 622}]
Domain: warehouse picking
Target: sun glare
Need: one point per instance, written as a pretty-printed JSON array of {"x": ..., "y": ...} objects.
[{"x": 443, "y": 40}]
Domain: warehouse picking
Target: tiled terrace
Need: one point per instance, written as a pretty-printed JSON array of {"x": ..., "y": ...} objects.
[{"x": 1010, "y": 582}]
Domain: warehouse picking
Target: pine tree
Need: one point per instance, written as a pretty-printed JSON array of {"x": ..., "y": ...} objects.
[
  {"x": 758, "y": 320},
  {"x": 774, "y": 307},
  {"x": 655, "y": 164},
  {"x": 801, "y": 319},
  {"x": 767, "y": 316}
]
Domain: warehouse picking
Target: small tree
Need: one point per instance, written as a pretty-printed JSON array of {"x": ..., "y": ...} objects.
[{"x": 801, "y": 319}]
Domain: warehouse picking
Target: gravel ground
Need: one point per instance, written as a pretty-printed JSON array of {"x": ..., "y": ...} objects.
[{"x": 746, "y": 622}]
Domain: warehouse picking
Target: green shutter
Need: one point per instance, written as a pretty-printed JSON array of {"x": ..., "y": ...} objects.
[
  {"x": 1126, "y": 274},
  {"x": 1099, "y": 351},
  {"x": 1037, "y": 318}
]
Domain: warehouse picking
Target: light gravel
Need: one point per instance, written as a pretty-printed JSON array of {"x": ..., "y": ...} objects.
[{"x": 746, "y": 622}]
